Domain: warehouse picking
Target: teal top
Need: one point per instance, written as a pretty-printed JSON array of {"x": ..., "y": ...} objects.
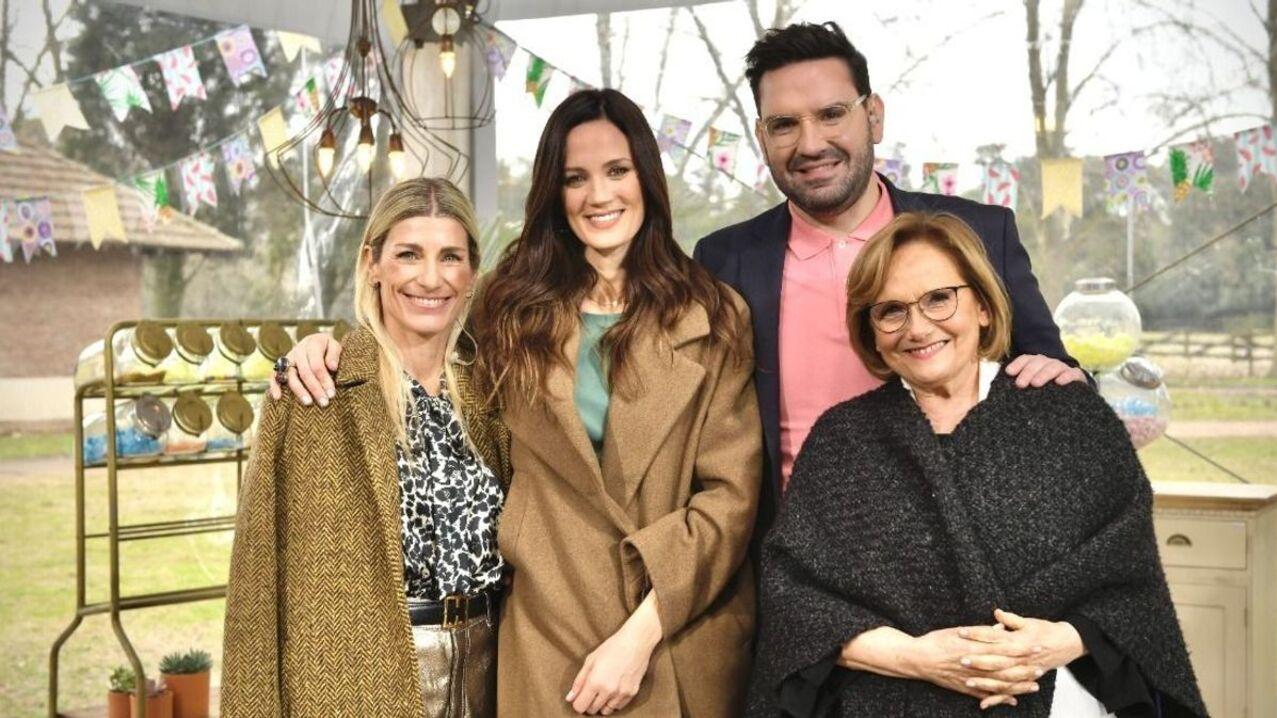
[{"x": 591, "y": 391}]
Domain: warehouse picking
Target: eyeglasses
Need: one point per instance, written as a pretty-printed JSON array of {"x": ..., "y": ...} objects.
[
  {"x": 937, "y": 305},
  {"x": 783, "y": 131}
]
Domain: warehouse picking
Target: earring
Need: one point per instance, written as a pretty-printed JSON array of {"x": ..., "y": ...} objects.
[{"x": 469, "y": 293}]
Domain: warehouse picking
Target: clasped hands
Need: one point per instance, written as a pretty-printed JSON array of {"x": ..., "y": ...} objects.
[{"x": 992, "y": 663}]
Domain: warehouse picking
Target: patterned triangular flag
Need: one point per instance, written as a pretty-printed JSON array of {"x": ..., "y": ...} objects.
[
  {"x": 1126, "y": 177},
  {"x": 8, "y": 140},
  {"x": 333, "y": 69},
  {"x": 894, "y": 169},
  {"x": 577, "y": 86},
  {"x": 239, "y": 52},
  {"x": 1256, "y": 154},
  {"x": 154, "y": 197},
  {"x": 672, "y": 136},
  {"x": 1062, "y": 186},
  {"x": 940, "y": 178},
  {"x": 58, "y": 109},
  {"x": 122, "y": 90},
  {"x": 237, "y": 158},
  {"x": 722, "y": 149},
  {"x": 181, "y": 76},
  {"x": 1192, "y": 167},
  {"x": 762, "y": 178},
  {"x": 292, "y": 43},
  {"x": 1001, "y": 184},
  {"x": 197, "y": 182},
  {"x": 6, "y": 249},
  {"x": 33, "y": 221},
  {"x": 498, "y": 50},
  {"x": 307, "y": 101},
  {"x": 274, "y": 133},
  {"x": 103, "y": 214},
  {"x": 539, "y": 73}
]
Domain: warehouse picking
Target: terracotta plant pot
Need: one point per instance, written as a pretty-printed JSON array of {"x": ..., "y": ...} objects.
[
  {"x": 159, "y": 705},
  {"x": 190, "y": 694},
  {"x": 118, "y": 705}
]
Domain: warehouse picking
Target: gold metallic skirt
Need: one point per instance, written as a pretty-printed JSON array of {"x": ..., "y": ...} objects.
[{"x": 458, "y": 669}]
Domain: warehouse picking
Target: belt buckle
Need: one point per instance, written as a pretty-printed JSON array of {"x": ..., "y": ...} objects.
[{"x": 455, "y": 609}]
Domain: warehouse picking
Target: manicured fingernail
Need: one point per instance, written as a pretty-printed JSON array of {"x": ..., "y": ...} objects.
[
  {"x": 1014, "y": 702},
  {"x": 306, "y": 400},
  {"x": 570, "y": 696},
  {"x": 965, "y": 661},
  {"x": 1034, "y": 688},
  {"x": 323, "y": 400},
  {"x": 1037, "y": 672},
  {"x": 332, "y": 393},
  {"x": 970, "y": 683}
]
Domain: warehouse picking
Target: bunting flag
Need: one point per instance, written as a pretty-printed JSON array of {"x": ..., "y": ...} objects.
[
  {"x": 197, "y": 181},
  {"x": 33, "y": 220},
  {"x": 393, "y": 18},
  {"x": 153, "y": 192},
  {"x": 722, "y": 149},
  {"x": 498, "y": 50},
  {"x": 307, "y": 101},
  {"x": 239, "y": 52},
  {"x": 1192, "y": 167},
  {"x": 8, "y": 140},
  {"x": 6, "y": 249},
  {"x": 1256, "y": 154},
  {"x": 292, "y": 43},
  {"x": 762, "y": 177},
  {"x": 539, "y": 74},
  {"x": 1062, "y": 186},
  {"x": 333, "y": 68},
  {"x": 894, "y": 169},
  {"x": 577, "y": 86},
  {"x": 274, "y": 133},
  {"x": 940, "y": 178},
  {"x": 673, "y": 135},
  {"x": 1126, "y": 177},
  {"x": 58, "y": 109},
  {"x": 122, "y": 90},
  {"x": 1001, "y": 184},
  {"x": 237, "y": 157},
  {"x": 181, "y": 76},
  {"x": 103, "y": 213}
]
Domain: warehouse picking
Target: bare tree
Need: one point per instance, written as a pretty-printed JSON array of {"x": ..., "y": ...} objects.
[
  {"x": 52, "y": 48},
  {"x": 603, "y": 26}
]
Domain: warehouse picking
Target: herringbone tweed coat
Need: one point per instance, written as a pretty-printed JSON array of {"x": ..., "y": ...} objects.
[
  {"x": 670, "y": 508},
  {"x": 316, "y": 619}
]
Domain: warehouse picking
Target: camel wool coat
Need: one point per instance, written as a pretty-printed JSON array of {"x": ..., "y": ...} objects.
[
  {"x": 316, "y": 619},
  {"x": 669, "y": 508}
]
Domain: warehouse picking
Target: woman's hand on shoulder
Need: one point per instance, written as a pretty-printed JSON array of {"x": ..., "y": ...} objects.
[{"x": 312, "y": 362}]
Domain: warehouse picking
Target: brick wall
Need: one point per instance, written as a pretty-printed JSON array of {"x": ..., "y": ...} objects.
[{"x": 50, "y": 309}]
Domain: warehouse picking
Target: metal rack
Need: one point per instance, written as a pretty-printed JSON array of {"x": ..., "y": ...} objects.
[{"x": 112, "y": 391}]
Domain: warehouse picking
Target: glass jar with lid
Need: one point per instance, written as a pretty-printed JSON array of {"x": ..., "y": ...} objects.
[
  {"x": 141, "y": 429},
  {"x": 272, "y": 343},
  {"x": 1100, "y": 325},
  {"x": 234, "y": 421},
  {"x": 232, "y": 345},
  {"x": 137, "y": 355},
  {"x": 192, "y": 345},
  {"x": 1139, "y": 397},
  {"x": 192, "y": 419}
]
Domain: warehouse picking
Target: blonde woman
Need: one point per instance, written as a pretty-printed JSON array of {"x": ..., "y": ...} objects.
[{"x": 365, "y": 577}]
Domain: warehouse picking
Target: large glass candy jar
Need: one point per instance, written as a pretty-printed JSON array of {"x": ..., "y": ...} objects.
[
  {"x": 273, "y": 342},
  {"x": 141, "y": 429},
  {"x": 233, "y": 344},
  {"x": 137, "y": 356},
  {"x": 1099, "y": 324},
  {"x": 192, "y": 419},
  {"x": 1139, "y": 397},
  {"x": 234, "y": 422},
  {"x": 192, "y": 345}
]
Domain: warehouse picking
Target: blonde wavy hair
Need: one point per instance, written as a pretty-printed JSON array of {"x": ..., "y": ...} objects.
[{"x": 418, "y": 197}]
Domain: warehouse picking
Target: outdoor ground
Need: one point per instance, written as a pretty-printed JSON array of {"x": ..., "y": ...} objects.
[{"x": 1233, "y": 422}]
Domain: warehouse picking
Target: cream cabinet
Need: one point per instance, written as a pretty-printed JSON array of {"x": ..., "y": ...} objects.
[{"x": 1218, "y": 544}]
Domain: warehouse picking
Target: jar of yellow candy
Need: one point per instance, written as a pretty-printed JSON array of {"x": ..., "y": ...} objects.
[{"x": 1099, "y": 324}]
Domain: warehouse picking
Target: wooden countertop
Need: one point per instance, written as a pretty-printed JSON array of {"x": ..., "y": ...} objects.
[{"x": 1213, "y": 496}]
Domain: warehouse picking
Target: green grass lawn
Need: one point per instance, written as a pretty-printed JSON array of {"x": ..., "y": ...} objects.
[
  {"x": 1254, "y": 459},
  {"x": 35, "y": 446},
  {"x": 1224, "y": 404}
]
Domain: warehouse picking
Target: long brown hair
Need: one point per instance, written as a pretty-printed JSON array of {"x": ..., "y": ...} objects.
[{"x": 529, "y": 308}]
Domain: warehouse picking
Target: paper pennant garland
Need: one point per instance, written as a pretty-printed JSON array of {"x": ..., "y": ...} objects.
[
  {"x": 1126, "y": 176},
  {"x": 1192, "y": 167},
  {"x": 722, "y": 149},
  {"x": 122, "y": 90},
  {"x": 58, "y": 109},
  {"x": 940, "y": 178},
  {"x": 181, "y": 76},
  {"x": 396, "y": 24},
  {"x": 274, "y": 133},
  {"x": 292, "y": 43},
  {"x": 539, "y": 73},
  {"x": 6, "y": 249},
  {"x": 1001, "y": 184},
  {"x": 1256, "y": 154},
  {"x": 103, "y": 213},
  {"x": 239, "y": 52},
  {"x": 33, "y": 221},
  {"x": 307, "y": 101},
  {"x": 577, "y": 86},
  {"x": 237, "y": 157},
  {"x": 894, "y": 169},
  {"x": 672, "y": 135},
  {"x": 197, "y": 182},
  {"x": 333, "y": 68},
  {"x": 498, "y": 50},
  {"x": 153, "y": 193},
  {"x": 1062, "y": 186},
  {"x": 762, "y": 178}
]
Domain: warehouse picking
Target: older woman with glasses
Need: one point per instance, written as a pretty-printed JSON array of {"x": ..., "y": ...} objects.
[{"x": 949, "y": 544}]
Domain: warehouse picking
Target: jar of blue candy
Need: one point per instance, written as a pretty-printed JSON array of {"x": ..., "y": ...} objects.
[
  {"x": 1139, "y": 398},
  {"x": 141, "y": 429}
]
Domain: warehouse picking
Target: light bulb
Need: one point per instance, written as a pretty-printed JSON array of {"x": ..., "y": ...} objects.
[
  {"x": 448, "y": 61},
  {"x": 327, "y": 152},
  {"x": 363, "y": 151},
  {"x": 398, "y": 162}
]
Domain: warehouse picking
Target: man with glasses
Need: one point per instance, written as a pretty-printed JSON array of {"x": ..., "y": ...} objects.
[{"x": 818, "y": 122}]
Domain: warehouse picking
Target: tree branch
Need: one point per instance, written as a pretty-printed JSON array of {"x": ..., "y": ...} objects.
[
  {"x": 665, "y": 56},
  {"x": 733, "y": 97},
  {"x": 903, "y": 78}
]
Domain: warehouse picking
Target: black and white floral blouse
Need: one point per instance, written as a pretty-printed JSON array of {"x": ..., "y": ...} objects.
[{"x": 450, "y": 503}]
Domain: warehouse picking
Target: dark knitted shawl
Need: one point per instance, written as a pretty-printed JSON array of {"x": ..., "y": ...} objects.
[{"x": 1042, "y": 510}]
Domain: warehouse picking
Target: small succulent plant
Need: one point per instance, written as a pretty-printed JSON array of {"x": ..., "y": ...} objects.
[
  {"x": 193, "y": 661},
  {"x": 122, "y": 680}
]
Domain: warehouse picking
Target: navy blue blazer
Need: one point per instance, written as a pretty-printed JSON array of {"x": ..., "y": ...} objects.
[{"x": 750, "y": 256}]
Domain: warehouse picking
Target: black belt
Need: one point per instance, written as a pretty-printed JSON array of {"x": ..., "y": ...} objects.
[{"x": 456, "y": 609}]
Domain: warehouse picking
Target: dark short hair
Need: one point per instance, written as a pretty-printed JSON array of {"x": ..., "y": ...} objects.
[{"x": 800, "y": 42}]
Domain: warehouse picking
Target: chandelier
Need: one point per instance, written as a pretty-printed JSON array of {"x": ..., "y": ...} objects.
[{"x": 388, "y": 110}]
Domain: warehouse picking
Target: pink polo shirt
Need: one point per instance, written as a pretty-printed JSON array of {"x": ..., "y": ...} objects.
[{"x": 817, "y": 366}]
